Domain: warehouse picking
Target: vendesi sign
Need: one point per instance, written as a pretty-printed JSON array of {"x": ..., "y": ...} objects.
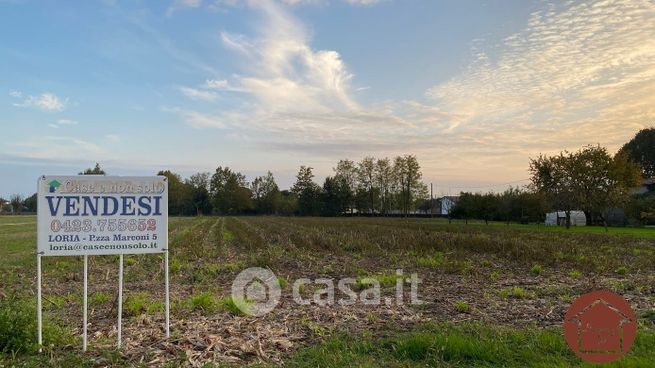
[
  {"x": 87, "y": 215},
  {"x": 99, "y": 215}
]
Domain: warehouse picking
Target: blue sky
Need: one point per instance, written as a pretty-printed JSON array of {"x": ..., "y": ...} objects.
[{"x": 473, "y": 88}]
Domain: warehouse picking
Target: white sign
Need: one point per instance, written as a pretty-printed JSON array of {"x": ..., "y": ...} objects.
[{"x": 96, "y": 215}]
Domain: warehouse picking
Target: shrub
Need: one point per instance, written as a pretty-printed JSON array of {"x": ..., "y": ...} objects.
[{"x": 18, "y": 328}]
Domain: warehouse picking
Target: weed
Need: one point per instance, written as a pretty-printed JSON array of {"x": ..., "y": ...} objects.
[
  {"x": 575, "y": 274},
  {"x": 282, "y": 282},
  {"x": 435, "y": 261},
  {"x": 515, "y": 292},
  {"x": 99, "y": 298},
  {"x": 536, "y": 269},
  {"x": 235, "y": 306},
  {"x": 136, "y": 304},
  {"x": 495, "y": 276},
  {"x": 622, "y": 270},
  {"x": 18, "y": 328},
  {"x": 462, "y": 307},
  {"x": 204, "y": 302}
]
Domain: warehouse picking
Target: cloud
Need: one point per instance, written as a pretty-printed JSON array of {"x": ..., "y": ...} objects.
[
  {"x": 62, "y": 122},
  {"x": 362, "y": 2},
  {"x": 46, "y": 101},
  {"x": 283, "y": 72},
  {"x": 182, "y": 4},
  {"x": 197, "y": 94},
  {"x": 576, "y": 74},
  {"x": 56, "y": 147}
]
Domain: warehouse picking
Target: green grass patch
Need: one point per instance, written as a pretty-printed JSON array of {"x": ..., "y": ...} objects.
[{"x": 466, "y": 345}]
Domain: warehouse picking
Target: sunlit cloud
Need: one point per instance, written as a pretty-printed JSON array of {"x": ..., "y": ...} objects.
[{"x": 576, "y": 74}]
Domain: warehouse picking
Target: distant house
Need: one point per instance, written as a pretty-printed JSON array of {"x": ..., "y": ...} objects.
[
  {"x": 446, "y": 204},
  {"x": 647, "y": 185},
  {"x": 5, "y": 207},
  {"x": 578, "y": 218}
]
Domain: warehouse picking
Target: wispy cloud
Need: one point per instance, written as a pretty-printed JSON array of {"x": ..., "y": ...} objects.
[
  {"x": 59, "y": 147},
  {"x": 198, "y": 94},
  {"x": 46, "y": 101},
  {"x": 577, "y": 74},
  {"x": 182, "y": 4}
]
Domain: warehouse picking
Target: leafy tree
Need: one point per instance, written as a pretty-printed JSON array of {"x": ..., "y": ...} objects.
[
  {"x": 370, "y": 193},
  {"x": 385, "y": 182},
  {"x": 336, "y": 196},
  {"x": 288, "y": 203},
  {"x": 199, "y": 186},
  {"x": 346, "y": 171},
  {"x": 266, "y": 194},
  {"x": 96, "y": 170},
  {"x": 229, "y": 192},
  {"x": 179, "y": 195},
  {"x": 30, "y": 203},
  {"x": 407, "y": 173},
  {"x": 589, "y": 179},
  {"x": 641, "y": 150},
  {"x": 16, "y": 202},
  {"x": 308, "y": 193}
]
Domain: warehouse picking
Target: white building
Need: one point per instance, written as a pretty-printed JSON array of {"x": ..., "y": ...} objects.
[
  {"x": 578, "y": 218},
  {"x": 446, "y": 204}
]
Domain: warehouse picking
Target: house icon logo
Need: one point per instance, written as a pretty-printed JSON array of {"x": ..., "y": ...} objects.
[
  {"x": 600, "y": 327},
  {"x": 53, "y": 185}
]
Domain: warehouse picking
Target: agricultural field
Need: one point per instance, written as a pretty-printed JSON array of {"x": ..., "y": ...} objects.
[{"x": 492, "y": 295}]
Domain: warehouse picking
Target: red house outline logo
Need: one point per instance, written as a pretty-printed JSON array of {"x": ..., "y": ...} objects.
[{"x": 600, "y": 327}]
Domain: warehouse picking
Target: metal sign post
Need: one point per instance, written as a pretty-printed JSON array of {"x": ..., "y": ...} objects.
[{"x": 101, "y": 215}]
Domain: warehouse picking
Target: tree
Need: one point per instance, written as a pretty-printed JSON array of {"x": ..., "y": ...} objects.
[
  {"x": 641, "y": 150},
  {"x": 307, "y": 192},
  {"x": 97, "y": 170},
  {"x": 550, "y": 175},
  {"x": 384, "y": 181},
  {"x": 16, "y": 202},
  {"x": 336, "y": 196},
  {"x": 266, "y": 194},
  {"x": 199, "y": 186},
  {"x": 370, "y": 193},
  {"x": 407, "y": 173},
  {"x": 229, "y": 192},
  {"x": 347, "y": 171},
  {"x": 589, "y": 179},
  {"x": 179, "y": 195},
  {"x": 30, "y": 203}
]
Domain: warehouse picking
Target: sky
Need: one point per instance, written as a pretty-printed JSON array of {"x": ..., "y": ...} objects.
[{"x": 474, "y": 89}]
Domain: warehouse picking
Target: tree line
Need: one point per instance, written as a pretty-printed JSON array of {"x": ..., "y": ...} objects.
[
  {"x": 590, "y": 179},
  {"x": 370, "y": 186}
]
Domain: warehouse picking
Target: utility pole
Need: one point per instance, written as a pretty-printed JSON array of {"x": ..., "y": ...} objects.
[{"x": 431, "y": 202}]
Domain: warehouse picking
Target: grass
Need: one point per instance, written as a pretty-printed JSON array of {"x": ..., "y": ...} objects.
[
  {"x": 536, "y": 269},
  {"x": 463, "y": 345},
  {"x": 515, "y": 292},
  {"x": 462, "y": 307}
]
